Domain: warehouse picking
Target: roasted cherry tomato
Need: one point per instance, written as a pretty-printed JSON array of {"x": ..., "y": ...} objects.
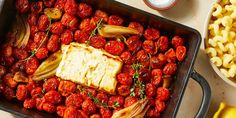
[
  {"x": 60, "y": 4},
  {"x": 170, "y": 69},
  {"x": 156, "y": 77},
  {"x": 163, "y": 43},
  {"x": 8, "y": 80},
  {"x": 151, "y": 34},
  {"x": 116, "y": 101},
  {"x": 152, "y": 113},
  {"x": 7, "y": 50},
  {"x": 70, "y": 112},
  {"x": 40, "y": 37},
  {"x": 43, "y": 22},
  {"x": 60, "y": 110},
  {"x": 74, "y": 100},
  {"x": 66, "y": 88},
  {"x": 29, "y": 103},
  {"x": 36, "y": 92},
  {"x": 101, "y": 15},
  {"x": 144, "y": 74},
  {"x": 143, "y": 58},
  {"x": 32, "y": 19},
  {"x": 124, "y": 78},
  {"x": 177, "y": 41},
  {"x": 102, "y": 97},
  {"x": 105, "y": 113},
  {"x": 134, "y": 43},
  {"x": 137, "y": 26},
  {"x": 82, "y": 114},
  {"x": 42, "y": 53},
  {"x": 97, "y": 41},
  {"x": 114, "y": 47},
  {"x": 159, "y": 61},
  {"x": 21, "y": 92},
  {"x": 81, "y": 36},
  {"x": 87, "y": 26},
  {"x": 84, "y": 10},
  {"x": 33, "y": 30},
  {"x": 115, "y": 20},
  {"x": 53, "y": 97},
  {"x": 22, "y": 6},
  {"x": 39, "y": 103},
  {"x": 53, "y": 43},
  {"x": 48, "y": 3},
  {"x": 180, "y": 53},
  {"x": 32, "y": 85},
  {"x": 130, "y": 100},
  {"x": 171, "y": 55},
  {"x": 163, "y": 94},
  {"x": 36, "y": 7},
  {"x": 7, "y": 61},
  {"x": 123, "y": 90},
  {"x": 159, "y": 105},
  {"x": 127, "y": 57},
  {"x": 88, "y": 91},
  {"x": 150, "y": 47},
  {"x": 49, "y": 107},
  {"x": 57, "y": 28},
  {"x": 70, "y": 21},
  {"x": 9, "y": 93},
  {"x": 150, "y": 90},
  {"x": 31, "y": 65},
  {"x": 2, "y": 71},
  {"x": 66, "y": 37},
  {"x": 20, "y": 53},
  {"x": 88, "y": 106},
  {"x": 128, "y": 69},
  {"x": 51, "y": 84},
  {"x": 151, "y": 101},
  {"x": 70, "y": 7}
]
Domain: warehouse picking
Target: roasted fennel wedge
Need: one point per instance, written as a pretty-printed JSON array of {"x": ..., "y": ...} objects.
[
  {"x": 21, "y": 30},
  {"x": 48, "y": 67},
  {"x": 136, "y": 110},
  {"x": 111, "y": 31}
]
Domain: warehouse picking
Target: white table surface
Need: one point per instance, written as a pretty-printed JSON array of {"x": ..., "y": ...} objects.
[{"x": 191, "y": 13}]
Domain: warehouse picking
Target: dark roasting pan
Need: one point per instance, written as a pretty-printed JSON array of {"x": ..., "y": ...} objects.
[{"x": 185, "y": 69}]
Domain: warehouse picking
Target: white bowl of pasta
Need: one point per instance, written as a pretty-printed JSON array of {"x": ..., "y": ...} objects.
[{"x": 219, "y": 40}]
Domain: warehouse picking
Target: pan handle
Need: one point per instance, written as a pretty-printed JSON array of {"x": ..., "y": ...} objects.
[{"x": 206, "y": 90}]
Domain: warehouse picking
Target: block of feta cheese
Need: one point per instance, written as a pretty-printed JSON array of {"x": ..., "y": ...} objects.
[{"x": 89, "y": 67}]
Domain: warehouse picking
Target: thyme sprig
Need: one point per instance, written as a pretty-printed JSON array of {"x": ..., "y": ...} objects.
[
  {"x": 93, "y": 33},
  {"x": 33, "y": 52},
  {"x": 96, "y": 101},
  {"x": 137, "y": 83}
]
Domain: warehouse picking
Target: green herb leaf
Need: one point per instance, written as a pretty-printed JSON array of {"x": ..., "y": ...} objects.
[
  {"x": 116, "y": 104},
  {"x": 136, "y": 66}
]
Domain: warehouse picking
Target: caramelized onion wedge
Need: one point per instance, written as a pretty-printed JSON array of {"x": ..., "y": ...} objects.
[
  {"x": 53, "y": 13},
  {"x": 134, "y": 110},
  {"x": 48, "y": 67},
  {"x": 110, "y": 31},
  {"x": 20, "y": 77},
  {"x": 166, "y": 82}
]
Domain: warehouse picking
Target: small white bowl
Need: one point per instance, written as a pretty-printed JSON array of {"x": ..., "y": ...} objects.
[
  {"x": 216, "y": 69},
  {"x": 160, "y": 4}
]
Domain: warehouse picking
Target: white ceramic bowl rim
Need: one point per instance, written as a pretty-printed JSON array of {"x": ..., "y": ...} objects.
[{"x": 216, "y": 69}]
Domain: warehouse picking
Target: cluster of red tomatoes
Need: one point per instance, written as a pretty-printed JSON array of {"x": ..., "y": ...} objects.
[{"x": 157, "y": 54}]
